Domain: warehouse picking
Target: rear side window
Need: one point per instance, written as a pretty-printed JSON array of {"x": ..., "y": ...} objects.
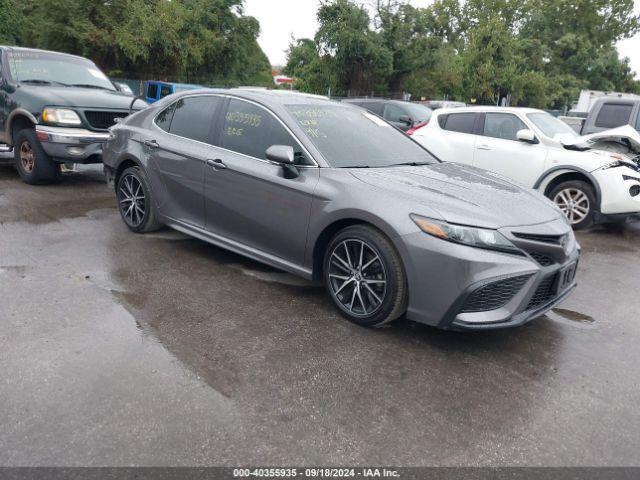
[
  {"x": 152, "y": 90},
  {"x": 612, "y": 115},
  {"x": 459, "y": 122},
  {"x": 164, "y": 91},
  {"x": 251, "y": 130},
  {"x": 193, "y": 116},
  {"x": 502, "y": 125}
]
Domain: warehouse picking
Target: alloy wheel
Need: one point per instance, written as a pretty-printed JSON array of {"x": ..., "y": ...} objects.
[
  {"x": 133, "y": 203},
  {"x": 574, "y": 203},
  {"x": 357, "y": 277},
  {"x": 27, "y": 157}
]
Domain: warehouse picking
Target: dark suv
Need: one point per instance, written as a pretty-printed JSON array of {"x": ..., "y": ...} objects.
[
  {"x": 404, "y": 115},
  {"x": 54, "y": 109}
]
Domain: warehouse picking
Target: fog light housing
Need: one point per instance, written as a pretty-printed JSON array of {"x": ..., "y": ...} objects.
[
  {"x": 75, "y": 150},
  {"x": 634, "y": 190}
]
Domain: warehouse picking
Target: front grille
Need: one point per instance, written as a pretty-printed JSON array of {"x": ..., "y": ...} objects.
[
  {"x": 544, "y": 293},
  {"x": 103, "y": 120},
  {"x": 542, "y": 259},
  {"x": 494, "y": 295},
  {"x": 554, "y": 239}
]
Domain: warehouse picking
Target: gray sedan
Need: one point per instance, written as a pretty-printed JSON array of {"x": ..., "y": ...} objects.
[{"x": 331, "y": 192}]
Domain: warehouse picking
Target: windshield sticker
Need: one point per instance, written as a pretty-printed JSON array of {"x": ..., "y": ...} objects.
[
  {"x": 376, "y": 120},
  {"x": 249, "y": 119}
]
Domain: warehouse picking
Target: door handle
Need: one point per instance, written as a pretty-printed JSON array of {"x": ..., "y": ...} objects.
[
  {"x": 216, "y": 163},
  {"x": 484, "y": 147},
  {"x": 151, "y": 144}
]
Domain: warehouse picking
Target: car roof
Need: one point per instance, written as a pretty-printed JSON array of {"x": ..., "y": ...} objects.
[
  {"x": 9, "y": 48},
  {"x": 486, "y": 109},
  {"x": 270, "y": 98}
]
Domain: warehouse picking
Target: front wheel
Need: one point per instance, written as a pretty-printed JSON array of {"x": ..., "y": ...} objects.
[
  {"x": 135, "y": 201},
  {"x": 32, "y": 162},
  {"x": 365, "y": 277},
  {"x": 577, "y": 201}
]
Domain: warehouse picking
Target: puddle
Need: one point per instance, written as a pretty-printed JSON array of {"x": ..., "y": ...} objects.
[
  {"x": 572, "y": 318},
  {"x": 274, "y": 276}
]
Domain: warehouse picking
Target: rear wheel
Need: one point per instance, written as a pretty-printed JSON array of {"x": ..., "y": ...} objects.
[
  {"x": 135, "y": 201},
  {"x": 365, "y": 277},
  {"x": 32, "y": 162},
  {"x": 577, "y": 201}
]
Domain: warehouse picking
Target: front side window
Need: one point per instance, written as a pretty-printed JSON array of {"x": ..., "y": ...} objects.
[
  {"x": 393, "y": 112},
  {"x": 43, "y": 68},
  {"x": 250, "y": 130},
  {"x": 165, "y": 90},
  {"x": 613, "y": 115},
  {"x": 351, "y": 137},
  {"x": 502, "y": 125},
  {"x": 193, "y": 116}
]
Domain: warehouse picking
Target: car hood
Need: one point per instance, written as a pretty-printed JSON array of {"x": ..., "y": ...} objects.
[
  {"x": 462, "y": 195},
  {"x": 626, "y": 138},
  {"x": 76, "y": 97}
]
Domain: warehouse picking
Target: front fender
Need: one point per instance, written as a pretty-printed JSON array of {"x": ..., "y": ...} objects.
[{"x": 547, "y": 177}]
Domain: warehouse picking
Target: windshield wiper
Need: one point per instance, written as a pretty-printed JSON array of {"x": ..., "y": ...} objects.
[
  {"x": 89, "y": 85},
  {"x": 410, "y": 164},
  {"x": 356, "y": 166},
  {"x": 38, "y": 81}
]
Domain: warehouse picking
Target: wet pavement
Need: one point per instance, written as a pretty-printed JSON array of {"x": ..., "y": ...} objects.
[{"x": 124, "y": 349}]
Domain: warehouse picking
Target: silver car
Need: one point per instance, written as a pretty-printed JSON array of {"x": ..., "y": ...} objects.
[{"x": 331, "y": 192}]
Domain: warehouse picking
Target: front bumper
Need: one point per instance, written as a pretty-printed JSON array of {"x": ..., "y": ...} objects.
[
  {"x": 72, "y": 145},
  {"x": 442, "y": 277},
  {"x": 615, "y": 185}
]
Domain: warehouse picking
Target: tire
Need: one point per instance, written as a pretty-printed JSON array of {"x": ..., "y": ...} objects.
[
  {"x": 577, "y": 201},
  {"x": 369, "y": 296},
  {"x": 135, "y": 201},
  {"x": 32, "y": 162}
]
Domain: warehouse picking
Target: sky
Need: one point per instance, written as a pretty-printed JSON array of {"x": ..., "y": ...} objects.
[{"x": 282, "y": 19}]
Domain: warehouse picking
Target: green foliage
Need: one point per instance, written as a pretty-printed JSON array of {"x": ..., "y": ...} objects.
[
  {"x": 200, "y": 41},
  {"x": 539, "y": 52}
]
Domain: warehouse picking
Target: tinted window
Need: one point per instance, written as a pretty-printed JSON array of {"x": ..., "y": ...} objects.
[
  {"x": 393, "y": 112},
  {"x": 163, "y": 120},
  {"x": 350, "y": 137},
  {"x": 251, "y": 130},
  {"x": 193, "y": 116},
  {"x": 164, "y": 91},
  {"x": 613, "y": 115},
  {"x": 460, "y": 122},
  {"x": 502, "y": 125},
  {"x": 152, "y": 90}
]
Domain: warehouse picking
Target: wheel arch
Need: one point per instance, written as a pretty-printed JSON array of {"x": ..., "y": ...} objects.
[
  {"x": 322, "y": 240},
  {"x": 18, "y": 120},
  {"x": 563, "y": 173},
  {"x": 124, "y": 163}
]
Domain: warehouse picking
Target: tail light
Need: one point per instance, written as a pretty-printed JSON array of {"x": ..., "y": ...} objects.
[{"x": 413, "y": 130}]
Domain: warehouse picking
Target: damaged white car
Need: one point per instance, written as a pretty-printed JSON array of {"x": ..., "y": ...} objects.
[{"x": 592, "y": 178}]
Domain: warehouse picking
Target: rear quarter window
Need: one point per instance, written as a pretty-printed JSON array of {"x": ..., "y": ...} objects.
[{"x": 612, "y": 115}]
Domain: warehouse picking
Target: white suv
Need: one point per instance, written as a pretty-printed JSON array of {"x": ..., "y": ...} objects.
[{"x": 591, "y": 179}]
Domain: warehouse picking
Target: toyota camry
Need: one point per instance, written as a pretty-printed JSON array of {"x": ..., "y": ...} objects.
[{"x": 332, "y": 192}]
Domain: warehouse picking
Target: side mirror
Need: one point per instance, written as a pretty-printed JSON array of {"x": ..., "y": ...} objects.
[
  {"x": 284, "y": 155},
  {"x": 527, "y": 136},
  {"x": 406, "y": 119}
]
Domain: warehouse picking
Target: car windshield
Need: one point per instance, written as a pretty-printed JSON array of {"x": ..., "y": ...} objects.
[
  {"x": 44, "y": 68},
  {"x": 551, "y": 126},
  {"x": 418, "y": 113},
  {"x": 351, "y": 137}
]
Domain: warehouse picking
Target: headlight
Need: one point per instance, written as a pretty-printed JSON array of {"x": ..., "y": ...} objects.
[
  {"x": 62, "y": 116},
  {"x": 471, "y": 236}
]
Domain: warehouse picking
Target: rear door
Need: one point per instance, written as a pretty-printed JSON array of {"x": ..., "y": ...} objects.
[
  {"x": 178, "y": 156},
  {"x": 248, "y": 199},
  {"x": 456, "y": 137},
  {"x": 499, "y": 150}
]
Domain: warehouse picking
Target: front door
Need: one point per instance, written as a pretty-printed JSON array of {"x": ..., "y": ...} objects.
[
  {"x": 498, "y": 150},
  {"x": 247, "y": 198}
]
